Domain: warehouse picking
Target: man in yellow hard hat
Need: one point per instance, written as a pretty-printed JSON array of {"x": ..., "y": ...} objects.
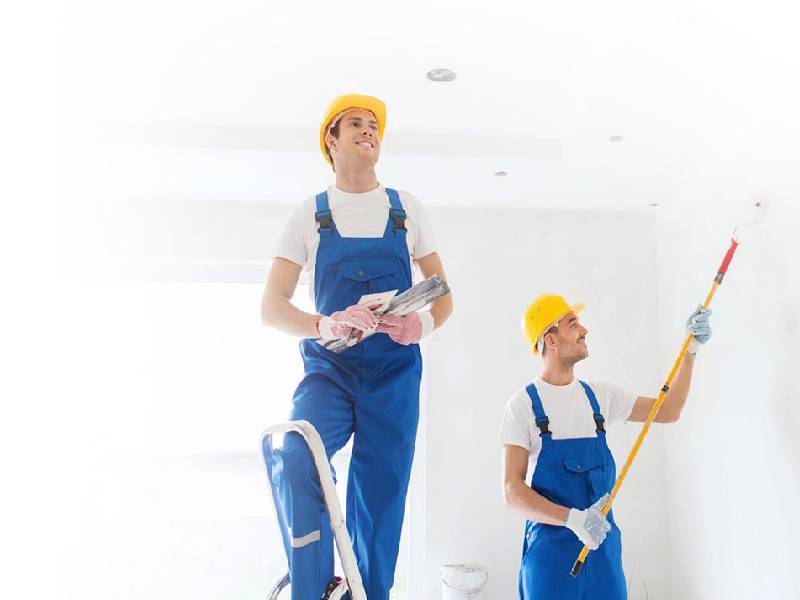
[
  {"x": 557, "y": 423},
  {"x": 355, "y": 238}
]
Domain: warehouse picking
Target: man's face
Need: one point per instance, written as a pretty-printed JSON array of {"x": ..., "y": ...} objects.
[
  {"x": 570, "y": 337},
  {"x": 358, "y": 141}
]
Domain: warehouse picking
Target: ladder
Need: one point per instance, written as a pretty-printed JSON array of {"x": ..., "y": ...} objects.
[{"x": 352, "y": 577}]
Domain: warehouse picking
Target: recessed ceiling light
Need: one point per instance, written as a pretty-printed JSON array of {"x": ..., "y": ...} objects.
[
  {"x": 441, "y": 75},
  {"x": 616, "y": 138},
  {"x": 501, "y": 173},
  {"x": 653, "y": 204}
]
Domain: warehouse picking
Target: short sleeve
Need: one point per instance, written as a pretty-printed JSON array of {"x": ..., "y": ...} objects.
[
  {"x": 425, "y": 243},
  {"x": 619, "y": 401},
  {"x": 291, "y": 245},
  {"x": 515, "y": 428}
]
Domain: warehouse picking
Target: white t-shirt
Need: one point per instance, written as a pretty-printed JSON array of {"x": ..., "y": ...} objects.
[
  {"x": 568, "y": 409},
  {"x": 356, "y": 215}
]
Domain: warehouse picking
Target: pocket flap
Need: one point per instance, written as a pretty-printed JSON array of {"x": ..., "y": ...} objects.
[
  {"x": 364, "y": 270},
  {"x": 582, "y": 464}
]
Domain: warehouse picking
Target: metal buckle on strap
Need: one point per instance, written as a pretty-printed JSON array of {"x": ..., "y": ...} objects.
[
  {"x": 598, "y": 421},
  {"x": 324, "y": 218},
  {"x": 543, "y": 424},
  {"x": 398, "y": 216}
]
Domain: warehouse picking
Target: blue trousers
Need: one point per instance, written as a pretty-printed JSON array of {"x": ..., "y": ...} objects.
[{"x": 374, "y": 398}]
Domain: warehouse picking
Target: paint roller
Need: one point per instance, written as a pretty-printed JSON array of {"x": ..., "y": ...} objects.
[{"x": 755, "y": 210}]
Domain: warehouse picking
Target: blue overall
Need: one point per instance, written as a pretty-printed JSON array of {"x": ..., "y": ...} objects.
[
  {"x": 574, "y": 473},
  {"x": 370, "y": 391}
]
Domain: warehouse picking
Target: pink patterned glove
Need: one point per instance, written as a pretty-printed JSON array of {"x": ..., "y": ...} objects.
[
  {"x": 342, "y": 323},
  {"x": 403, "y": 330}
]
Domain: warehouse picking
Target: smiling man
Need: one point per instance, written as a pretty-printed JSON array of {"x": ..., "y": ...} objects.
[
  {"x": 355, "y": 238},
  {"x": 557, "y": 424}
]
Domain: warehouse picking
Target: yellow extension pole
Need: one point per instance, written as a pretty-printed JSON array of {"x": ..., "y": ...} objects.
[{"x": 576, "y": 568}]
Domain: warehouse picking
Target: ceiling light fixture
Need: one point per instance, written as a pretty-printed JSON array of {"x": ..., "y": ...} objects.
[
  {"x": 616, "y": 138},
  {"x": 501, "y": 173},
  {"x": 441, "y": 75}
]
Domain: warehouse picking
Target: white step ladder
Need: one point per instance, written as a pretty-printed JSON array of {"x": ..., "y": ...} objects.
[{"x": 352, "y": 577}]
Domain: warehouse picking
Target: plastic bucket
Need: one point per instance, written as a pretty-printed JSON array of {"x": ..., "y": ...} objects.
[{"x": 463, "y": 582}]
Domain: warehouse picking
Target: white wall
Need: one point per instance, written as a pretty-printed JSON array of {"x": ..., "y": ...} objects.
[
  {"x": 609, "y": 260},
  {"x": 156, "y": 398},
  {"x": 497, "y": 261},
  {"x": 733, "y": 461}
]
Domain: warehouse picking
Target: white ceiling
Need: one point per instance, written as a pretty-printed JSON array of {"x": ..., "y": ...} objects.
[{"x": 223, "y": 99}]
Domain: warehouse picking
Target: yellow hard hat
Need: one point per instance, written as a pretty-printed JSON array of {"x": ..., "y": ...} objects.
[
  {"x": 543, "y": 313},
  {"x": 342, "y": 103}
]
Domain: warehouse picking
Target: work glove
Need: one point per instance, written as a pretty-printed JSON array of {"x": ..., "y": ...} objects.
[
  {"x": 407, "y": 329},
  {"x": 589, "y": 525},
  {"x": 700, "y": 329},
  {"x": 343, "y": 323}
]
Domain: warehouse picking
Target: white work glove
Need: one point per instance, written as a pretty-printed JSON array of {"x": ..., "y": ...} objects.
[
  {"x": 589, "y": 525},
  {"x": 342, "y": 323},
  {"x": 700, "y": 328}
]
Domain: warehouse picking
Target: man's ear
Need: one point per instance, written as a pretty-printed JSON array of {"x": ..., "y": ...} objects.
[
  {"x": 551, "y": 336},
  {"x": 330, "y": 141}
]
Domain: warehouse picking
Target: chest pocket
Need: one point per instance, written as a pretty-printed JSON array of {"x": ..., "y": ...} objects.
[
  {"x": 593, "y": 467},
  {"x": 373, "y": 275}
]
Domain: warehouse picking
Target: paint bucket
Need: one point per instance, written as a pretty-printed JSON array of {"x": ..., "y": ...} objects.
[{"x": 463, "y": 582}]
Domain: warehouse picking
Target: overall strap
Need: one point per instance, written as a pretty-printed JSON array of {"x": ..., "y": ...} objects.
[
  {"x": 396, "y": 211},
  {"x": 542, "y": 422},
  {"x": 598, "y": 417},
  {"x": 323, "y": 215}
]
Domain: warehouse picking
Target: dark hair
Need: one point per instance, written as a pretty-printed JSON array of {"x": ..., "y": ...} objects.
[{"x": 334, "y": 131}]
